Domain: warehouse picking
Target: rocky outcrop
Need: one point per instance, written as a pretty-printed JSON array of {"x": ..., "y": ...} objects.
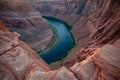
[
  {"x": 99, "y": 21},
  {"x": 103, "y": 68},
  {"x": 24, "y": 19},
  {"x": 19, "y": 62},
  {"x": 103, "y": 22},
  {"x": 16, "y": 57}
]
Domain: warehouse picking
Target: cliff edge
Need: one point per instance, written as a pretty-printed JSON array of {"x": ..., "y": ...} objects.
[{"x": 19, "y": 62}]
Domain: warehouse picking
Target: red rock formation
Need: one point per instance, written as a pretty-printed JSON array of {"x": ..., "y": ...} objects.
[
  {"x": 98, "y": 61},
  {"x": 24, "y": 19},
  {"x": 102, "y": 65},
  {"x": 97, "y": 25},
  {"x": 102, "y": 18},
  {"x": 99, "y": 18},
  {"x": 17, "y": 58},
  {"x": 19, "y": 62}
]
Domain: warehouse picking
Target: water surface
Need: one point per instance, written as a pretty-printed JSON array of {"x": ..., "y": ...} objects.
[{"x": 64, "y": 44}]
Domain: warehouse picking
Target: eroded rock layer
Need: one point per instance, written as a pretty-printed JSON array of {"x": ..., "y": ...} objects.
[
  {"x": 101, "y": 19},
  {"x": 98, "y": 61},
  {"x": 104, "y": 23},
  {"x": 24, "y": 19},
  {"x": 19, "y": 62}
]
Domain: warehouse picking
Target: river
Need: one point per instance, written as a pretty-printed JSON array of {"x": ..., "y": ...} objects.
[{"x": 64, "y": 44}]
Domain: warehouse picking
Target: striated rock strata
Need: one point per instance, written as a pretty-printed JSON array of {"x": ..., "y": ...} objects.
[
  {"x": 104, "y": 23},
  {"x": 24, "y": 19},
  {"x": 99, "y": 60},
  {"x": 98, "y": 24},
  {"x": 19, "y": 62}
]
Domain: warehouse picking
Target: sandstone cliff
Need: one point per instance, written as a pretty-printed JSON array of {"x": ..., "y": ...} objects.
[
  {"x": 99, "y": 60},
  {"x": 24, "y": 19},
  {"x": 19, "y": 62},
  {"x": 103, "y": 22},
  {"x": 98, "y": 24}
]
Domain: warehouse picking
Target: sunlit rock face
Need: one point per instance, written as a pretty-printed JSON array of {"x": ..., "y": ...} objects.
[{"x": 21, "y": 17}]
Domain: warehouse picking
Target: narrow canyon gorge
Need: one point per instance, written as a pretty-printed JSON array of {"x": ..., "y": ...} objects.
[{"x": 91, "y": 26}]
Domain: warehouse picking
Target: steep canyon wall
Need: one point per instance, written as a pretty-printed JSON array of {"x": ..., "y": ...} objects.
[{"x": 99, "y": 60}]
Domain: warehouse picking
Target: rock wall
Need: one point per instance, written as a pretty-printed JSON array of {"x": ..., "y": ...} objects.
[
  {"x": 24, "y": 19},
  {"x": 103, "y": 22},
  {"x": 70, "y": 11},
  {"x": 19, "y": 62},
  {"x": 99, "y": 60},
  {"x": 97, "y": 25},
  {"x": 16, "y": 57}
]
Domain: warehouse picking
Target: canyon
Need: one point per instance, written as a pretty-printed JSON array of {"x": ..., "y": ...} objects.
[{"x": 96, "y": 29}]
